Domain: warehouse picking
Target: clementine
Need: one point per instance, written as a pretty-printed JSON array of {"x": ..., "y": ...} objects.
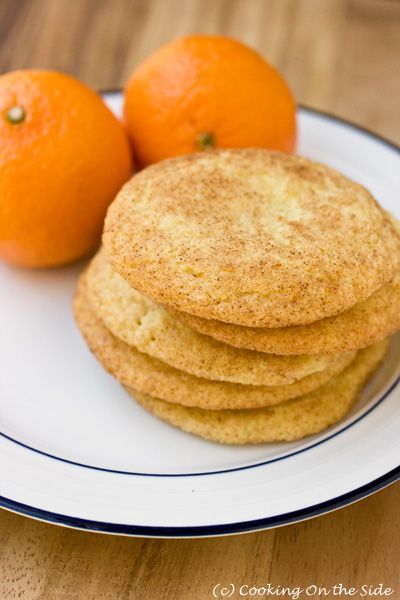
[
  {"x": 207, "y": 91},
  {"x": 63, "y": 157}
]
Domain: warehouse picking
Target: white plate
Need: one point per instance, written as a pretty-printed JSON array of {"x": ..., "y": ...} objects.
[{"x": 76, "y": 450}]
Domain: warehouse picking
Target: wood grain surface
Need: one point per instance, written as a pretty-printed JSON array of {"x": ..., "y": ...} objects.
[{"x": 339, "y": 55}]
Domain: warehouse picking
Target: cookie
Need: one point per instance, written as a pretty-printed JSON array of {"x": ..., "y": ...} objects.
[
  {"x": 285, "y": 422},
  {"x": 145, "y": 325},
  {"x": 360, "y": 326},
  {"x": 151, "y": 376},
  {"x": 251, "y": 237}
]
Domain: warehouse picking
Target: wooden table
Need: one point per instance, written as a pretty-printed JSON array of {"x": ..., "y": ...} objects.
[{"x": 339, "y": 55}]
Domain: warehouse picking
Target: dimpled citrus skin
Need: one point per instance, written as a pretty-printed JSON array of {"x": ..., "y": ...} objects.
[
  {"x": 207, "y": 85},
  {"x": 154, "y": 377},
  {"x": 60, "y": 166},
  {"x": 250, "y": 237},
  {"x": 285, "y": 422},
  {"x": 144, "y": 324}
]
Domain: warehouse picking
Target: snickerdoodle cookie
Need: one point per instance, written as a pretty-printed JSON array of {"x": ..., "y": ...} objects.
[
  {"x": 289, "y": 421},
  {"x": 145, "y": 325},
  {"x": 152, "y": 376},
  {"x": 251, "y": 237}
]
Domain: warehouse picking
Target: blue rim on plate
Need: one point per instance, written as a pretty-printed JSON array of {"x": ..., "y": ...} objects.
[
  {"x": 262, "y": 463},
  {"x": 205, "y": 530},
  {"x": 228, "y": 528}
]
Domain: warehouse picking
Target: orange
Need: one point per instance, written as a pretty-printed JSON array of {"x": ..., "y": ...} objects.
[
  {"x": 206, "y": 91},
  {"x": 63, "y": 157}
]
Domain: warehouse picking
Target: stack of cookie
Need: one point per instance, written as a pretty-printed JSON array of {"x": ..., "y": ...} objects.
[{"x": 245, "y": 296}]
